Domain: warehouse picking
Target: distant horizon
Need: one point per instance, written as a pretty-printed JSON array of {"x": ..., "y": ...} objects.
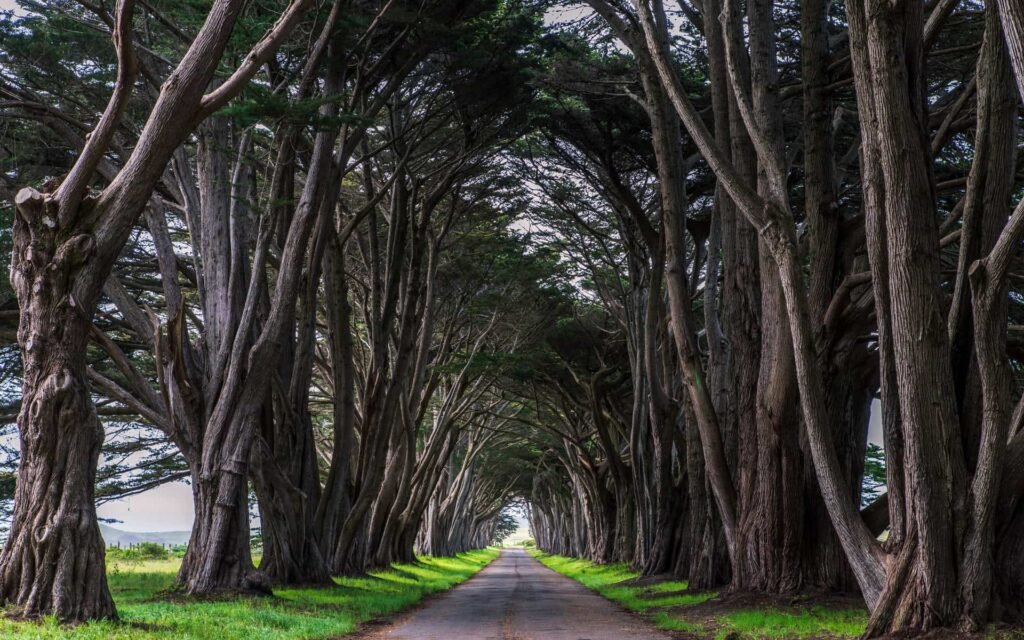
[
  {"x": 164, "y": 508},
  {"x": 116, "y": 527}
]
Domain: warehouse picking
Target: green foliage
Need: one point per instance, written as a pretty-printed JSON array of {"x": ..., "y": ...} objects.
[
  {"x": 139, "y": 552},
  {"x": 668, "y": 622},
  {"x": 148, "y": 614},
  {"x": 506, "y": 526},
  {"x": 874, "y": 474}
]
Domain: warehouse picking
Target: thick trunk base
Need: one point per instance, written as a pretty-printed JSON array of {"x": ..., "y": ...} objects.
[
  {"x": 291, "y": 555},
  {"x": 218, "y": 560},
  {"x": 53, "y": 562}
]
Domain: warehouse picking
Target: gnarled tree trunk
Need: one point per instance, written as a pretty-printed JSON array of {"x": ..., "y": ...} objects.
[
  {"x": 53, "y": 561},
  {"x": 65, "y": 248}
]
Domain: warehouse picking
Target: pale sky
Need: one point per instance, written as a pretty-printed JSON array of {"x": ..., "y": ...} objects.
[{"x": 166, "y": 508}]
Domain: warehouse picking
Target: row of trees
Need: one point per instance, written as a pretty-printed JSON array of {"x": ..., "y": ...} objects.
[
  {"x": 654, "y": 270},
  {"x": 791, "y": 216},
  {"x": 306, "y": 295}
]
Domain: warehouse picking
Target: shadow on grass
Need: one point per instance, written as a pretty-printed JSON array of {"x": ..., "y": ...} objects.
[
  {"x": 149, "y": 611},
  {"x": 671, "y": 606}
]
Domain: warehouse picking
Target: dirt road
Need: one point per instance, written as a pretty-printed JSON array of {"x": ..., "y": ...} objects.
[{"x": 518, "y": 598}]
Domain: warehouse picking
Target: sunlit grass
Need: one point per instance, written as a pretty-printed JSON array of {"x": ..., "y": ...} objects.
[
  {"x": 665, "y": 603},
  {"x": 815, "y": 622},
  {"x": 636, "y": 599},
  {"x": 668, "y": 586},
  {"x": 608, "y": 580},
  {"x": 146, "y": 614}
]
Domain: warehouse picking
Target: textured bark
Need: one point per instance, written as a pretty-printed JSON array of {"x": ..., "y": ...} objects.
[
  {"x": 665, "y": 133},
  {"x": 824, "y": 565},
  {"x": 285, "y": 476},
  {"x": 740, "y": 305},
  {"x": 923, "y": 595},
  {"x": 770, "y": 508},
  {"x": 80, "y": 236},
  {"x": 224, "y": 444},
  {"x": 667, "y": 509},
  {"x": 775, "y": 226},
  {"x": 218, "y": 559},
  {"x": 221, "y": 426},
  {"x": 218, "y": 218},
  {"x": 382, "y": 398},
  {"x": 337, "y": 493},
  {"x": 989, "y": 187},
  {"x": 707, "y": 559},
  {"x": 53, "y": 561},
  {"x": 984, "y": 211}
]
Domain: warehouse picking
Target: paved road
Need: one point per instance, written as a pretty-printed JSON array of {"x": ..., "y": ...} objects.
[{"x": 518, "y": 598}]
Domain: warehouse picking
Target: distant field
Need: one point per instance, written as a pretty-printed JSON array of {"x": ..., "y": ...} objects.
[
  {"x": 517, "y": 538},
  {"x": 148, "y": 612}
]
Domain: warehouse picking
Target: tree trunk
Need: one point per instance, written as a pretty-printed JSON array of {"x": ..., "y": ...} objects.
[
  {"x": 285, "y": 474},
  {"x": 64, "y": 252},
  {"x": 665, "y": 134},
  {"x": 707, "y": 557},
  {"x": 824, "y": 565},
  {"x": 988, "y": 569},
  {"x": 218, "y": 559},
  {"x": 288, "y": 490},
  {"x": 53, "y": 562},
  {"x": 770, "y": 500},
  {"x": 336, "y": 499}
]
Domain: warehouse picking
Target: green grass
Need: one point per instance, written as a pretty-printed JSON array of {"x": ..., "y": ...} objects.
[
  {"x": 815, "y": 622},
  {"x": 291, "y": 614},
  {"x": 665, "y": 603},
  {"x": 669, "y": 622},
  {"x": 608, "y": 581}
]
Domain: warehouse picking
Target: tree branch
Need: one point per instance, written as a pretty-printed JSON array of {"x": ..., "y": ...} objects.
[{"x": 71, "y": 191}]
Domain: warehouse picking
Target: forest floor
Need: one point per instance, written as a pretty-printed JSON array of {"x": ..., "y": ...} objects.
[
  {"x": 150, "y": 611},
  {"x": 671, "y": 606}
]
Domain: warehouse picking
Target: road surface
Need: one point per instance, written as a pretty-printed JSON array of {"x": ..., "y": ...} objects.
[{"x": 518, "y": 598}]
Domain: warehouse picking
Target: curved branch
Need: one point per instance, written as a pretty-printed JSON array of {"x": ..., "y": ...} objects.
[
  {"x": 71, "y": 191},
  {"x": 256, "y": 57}
]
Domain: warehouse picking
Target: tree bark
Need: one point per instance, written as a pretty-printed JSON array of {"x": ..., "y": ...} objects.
[
  {"x": 54, "y": 558},
  {"x": 924, "y": 594},
  {"x": 76, "y": 237}
]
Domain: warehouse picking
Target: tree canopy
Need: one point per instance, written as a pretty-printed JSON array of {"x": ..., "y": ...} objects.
[{"x": 722, "y": 289}]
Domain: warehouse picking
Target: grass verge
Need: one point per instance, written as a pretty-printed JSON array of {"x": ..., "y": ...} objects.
[
  {"x": 147, "y": 614},
  {"x": 671, "y": 607}
]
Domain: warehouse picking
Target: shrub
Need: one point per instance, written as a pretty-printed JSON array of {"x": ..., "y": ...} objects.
[{"x": 139, "y": 552}]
